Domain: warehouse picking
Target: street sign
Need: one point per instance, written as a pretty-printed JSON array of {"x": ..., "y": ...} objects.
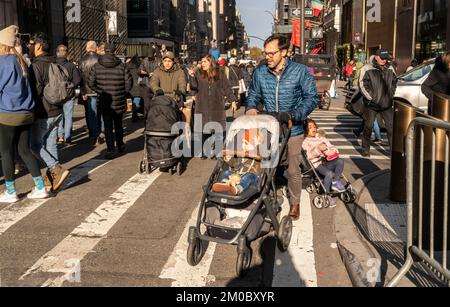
[
  {"x": 184, "y": 47},
  {"x": 309, "y": 12},
  {"x": 317, "y": 32},
  {"x": 296, "y": 12}
]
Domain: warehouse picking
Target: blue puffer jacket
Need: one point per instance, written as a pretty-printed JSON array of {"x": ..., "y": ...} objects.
[
  {"x": 295, "y": 93},
  {"x": 15, "y": 92}
]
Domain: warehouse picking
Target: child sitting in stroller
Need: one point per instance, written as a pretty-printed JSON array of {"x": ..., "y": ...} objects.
[
  {"x": 325, "y": 159},
  {"x": 243, "y": 172}
]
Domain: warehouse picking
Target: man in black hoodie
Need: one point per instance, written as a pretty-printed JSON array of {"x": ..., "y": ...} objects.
[
  {"x": 65, "y": 125},
  {"x": 111, "y": 80},
  {"x": 47, "y": 116}
]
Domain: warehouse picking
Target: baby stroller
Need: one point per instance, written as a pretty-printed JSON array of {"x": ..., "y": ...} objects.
[
  {"x": 161, "y": 113},
  {"x": 241, "y": 219},
  {"x": 321, "y": 201}
]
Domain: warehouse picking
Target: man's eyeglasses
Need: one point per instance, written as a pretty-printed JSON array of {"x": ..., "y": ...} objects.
[{"x": 271, "y": 54}]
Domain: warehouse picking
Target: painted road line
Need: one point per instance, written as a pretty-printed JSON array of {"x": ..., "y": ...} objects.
[
  {"x": 86, "y": 236},
  {"x": 297, "y": 267},
  {"x": 332, "y": 121},
  {"x": 372, "y": 157},
  {"x": 14, "y": 213},
  {"x": 177, "y": 268},
  {"x": 360, "y": 147}
]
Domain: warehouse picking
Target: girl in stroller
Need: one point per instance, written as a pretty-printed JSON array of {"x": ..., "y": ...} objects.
[{"x": 324, "y": 157}]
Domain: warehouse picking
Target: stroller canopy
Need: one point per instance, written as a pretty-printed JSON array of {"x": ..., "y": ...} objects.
[{"x": 266, "y": 124}]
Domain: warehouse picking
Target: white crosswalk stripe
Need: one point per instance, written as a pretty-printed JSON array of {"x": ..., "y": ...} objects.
[
  {"x": 339, "y": 127},
  {"x": 297, "y": 267},
  {"x": 87, "y": 235}
]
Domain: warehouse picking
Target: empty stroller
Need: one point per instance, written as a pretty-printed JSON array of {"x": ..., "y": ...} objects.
[
  {"x": 161, "y": 113},
  {"x": 244, "y": 212}
]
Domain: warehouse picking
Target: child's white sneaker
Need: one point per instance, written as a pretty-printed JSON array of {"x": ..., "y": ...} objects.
[
  {"x": 8, "y": 198},
  {"x": 38, "y": 194}
]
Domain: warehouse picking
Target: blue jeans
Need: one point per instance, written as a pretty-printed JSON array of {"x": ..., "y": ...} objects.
[
  {"x": 376, "y": 129},
  {"x": 43, "y": 140},
  {"x": 247, "y": 180},
  {"x": 136, "y": 104},
  {"x": 94, "y": 118},
  {"x": 65, "y": 125}
]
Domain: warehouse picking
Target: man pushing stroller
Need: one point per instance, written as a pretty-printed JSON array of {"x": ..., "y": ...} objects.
[{"x": 288, "y": 89}]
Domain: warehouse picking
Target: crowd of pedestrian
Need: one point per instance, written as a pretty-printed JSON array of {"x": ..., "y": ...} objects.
[{"x": 38, "y": 97}]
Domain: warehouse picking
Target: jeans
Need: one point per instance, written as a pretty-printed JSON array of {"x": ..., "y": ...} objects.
[
  {"x": 95, "y": 119},
  {"x": 376, "y": 129},
  {"x": 247, "y": 180},
  {"x": 113, "y": 130},
  {"x": 369, "y": 117},
  {"x": 332, "y": 171},
  {"x": 136, "y": 105},
  {"x": 65, "y": 125},
  {"x": 43, "y": 140}
]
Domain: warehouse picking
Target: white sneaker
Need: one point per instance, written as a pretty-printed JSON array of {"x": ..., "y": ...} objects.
[
  {"x": 7, "y": 198},
  {"x": 38, "y": 194}
]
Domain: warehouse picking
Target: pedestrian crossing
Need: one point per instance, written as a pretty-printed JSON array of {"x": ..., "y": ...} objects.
[
  {"x": 62, "y": 263},
  {"x": 55, "y": 262},
  {"x": 339, "y": 126}
]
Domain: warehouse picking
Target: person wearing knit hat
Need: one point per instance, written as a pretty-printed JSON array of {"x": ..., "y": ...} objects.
[
  {"x": 168, "y": 79},
  {"x": 16, "y": 118},
  {"x": 8, "y": 36}
]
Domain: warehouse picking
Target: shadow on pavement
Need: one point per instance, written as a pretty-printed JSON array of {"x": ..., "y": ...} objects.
[
  {"x": 261, "y": 275},
  {"x": 391, "y": 251}
]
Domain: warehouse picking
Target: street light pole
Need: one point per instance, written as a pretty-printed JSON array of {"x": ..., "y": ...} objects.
[{"x": 302, "y": 28}]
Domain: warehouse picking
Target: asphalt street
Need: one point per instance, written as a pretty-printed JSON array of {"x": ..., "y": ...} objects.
[{"x": 110, "y": 226}]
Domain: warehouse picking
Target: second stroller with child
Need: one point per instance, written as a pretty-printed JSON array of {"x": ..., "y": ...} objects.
[{"x": 323, "y": 162}]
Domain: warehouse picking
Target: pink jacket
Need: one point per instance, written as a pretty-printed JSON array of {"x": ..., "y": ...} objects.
[{"x": 311, "y": 146}]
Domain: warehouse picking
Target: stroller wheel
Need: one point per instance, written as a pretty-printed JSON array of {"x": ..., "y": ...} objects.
[
  {"x": 172, "y": 171},
  {"x": 285, "y": 235},
  {"x": 311, "y": 189},
  {"x": 244, "y": 260},
  {"x": 142, "y": 167},
  {"x": 326, "y": 101},
  {"x": 321, "y": 202},
  {"x": 348, "y": 197},
  {"x": 180, "y": 168},
  {"x": 195, "y": 252}
]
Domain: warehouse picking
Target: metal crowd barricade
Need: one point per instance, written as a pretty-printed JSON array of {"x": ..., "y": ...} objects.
[{"x": 428, "y": 147}]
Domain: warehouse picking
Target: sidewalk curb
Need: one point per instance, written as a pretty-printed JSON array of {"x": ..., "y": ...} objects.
[{"x": 353, "y": 247}]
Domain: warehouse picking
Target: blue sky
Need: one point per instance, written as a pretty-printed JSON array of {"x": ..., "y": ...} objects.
[{"x": 257, "y": 22}]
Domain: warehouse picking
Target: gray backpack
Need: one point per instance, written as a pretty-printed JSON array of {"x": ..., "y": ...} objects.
[{"x": 59, "y": 88}]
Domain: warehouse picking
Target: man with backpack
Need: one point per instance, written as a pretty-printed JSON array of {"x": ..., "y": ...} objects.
[
  {"x": 51, "y": 89},
  {"x": 65, "y": 125},
  {"x": 112, "y": 81},
  {"x": 377, "y": 83}
]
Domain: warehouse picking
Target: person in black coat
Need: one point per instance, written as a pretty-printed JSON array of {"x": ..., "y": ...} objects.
[
  {"x": 438, "y": 81},
  {"x": 212, "y": 88},
  {"x": 134, "y": 66},
  {"x": 65, "y": 125},
  {"x": 112, "y": 81}
]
